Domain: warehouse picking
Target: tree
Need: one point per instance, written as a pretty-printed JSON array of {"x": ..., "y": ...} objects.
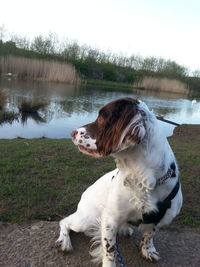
[
  {"x": 71, "y": 51},
  {"x": 21, "y": 42},
  {"x": 173, "y": 70},
  {"x": 196, "y": 73},
  {"x": 2, "y": 32},
  {"x": 45, "y": 45},
  {"x": 150, "y": 64}
]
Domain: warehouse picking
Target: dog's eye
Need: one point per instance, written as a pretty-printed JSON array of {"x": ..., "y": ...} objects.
[
  {"x": 100, "y": 120},
  {"x": 103, "y": 113}
]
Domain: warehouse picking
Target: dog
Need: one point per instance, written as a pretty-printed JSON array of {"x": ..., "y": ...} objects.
[{"x": 143, "y": 191}]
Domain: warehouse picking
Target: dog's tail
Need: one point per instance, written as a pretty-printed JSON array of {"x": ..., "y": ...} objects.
[{"x": 96, "y": 250}]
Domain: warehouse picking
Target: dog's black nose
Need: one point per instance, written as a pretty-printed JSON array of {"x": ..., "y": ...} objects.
[{"x": 73, "y": 134}]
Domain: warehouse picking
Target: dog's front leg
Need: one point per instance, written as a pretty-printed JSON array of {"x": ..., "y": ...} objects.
[
  {"x": 147, "y": 247},
  {"x": 109, "y": 228}
]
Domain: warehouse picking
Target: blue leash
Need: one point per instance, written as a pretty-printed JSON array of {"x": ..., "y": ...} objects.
[{"x": 119, "y": 256}]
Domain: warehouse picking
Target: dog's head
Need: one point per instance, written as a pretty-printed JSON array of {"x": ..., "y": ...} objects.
[{"x": 119, "y": 125}]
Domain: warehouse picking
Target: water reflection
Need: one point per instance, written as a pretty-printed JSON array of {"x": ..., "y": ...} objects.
[
  {"x": 7, "y": 117},
  {"x": 70, "y": 107},
  {"x": 11, "y": 117},
  {"x": 34, "y": 116}
]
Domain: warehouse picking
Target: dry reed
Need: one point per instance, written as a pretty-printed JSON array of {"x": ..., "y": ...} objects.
[
  {"x": 3, "y": 98},
  {"x": 39, "y": 69},
  {"x": 163, "y": 85}
]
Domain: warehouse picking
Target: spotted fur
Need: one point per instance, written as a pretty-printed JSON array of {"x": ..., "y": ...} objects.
[{"x": 127, "y": 130}]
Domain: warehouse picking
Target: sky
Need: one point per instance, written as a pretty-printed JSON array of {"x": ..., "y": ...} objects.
[{"x": 161, "y": 28}]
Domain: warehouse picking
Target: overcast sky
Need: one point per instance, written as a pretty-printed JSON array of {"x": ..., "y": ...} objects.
[{"x": 166, "y": 28}]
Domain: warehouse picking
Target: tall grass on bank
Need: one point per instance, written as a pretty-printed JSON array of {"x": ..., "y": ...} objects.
[
  {"x": 3, "y": 98},
  {"x": 51, "y": 71},
  {"x": 163, "y": 85}
]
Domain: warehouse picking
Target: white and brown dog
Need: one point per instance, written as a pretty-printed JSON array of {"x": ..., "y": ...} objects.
[{"x": 143, "y": 191}]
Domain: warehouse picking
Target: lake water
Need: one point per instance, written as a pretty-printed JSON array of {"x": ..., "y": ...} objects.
[{"x": 70, "y": 107}]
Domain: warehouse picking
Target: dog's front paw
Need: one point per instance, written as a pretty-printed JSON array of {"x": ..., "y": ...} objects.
[
  {"x": 150, "y": 253},
  {"x": 64, "y": 243},
  {"x": 125, "y": 230}
]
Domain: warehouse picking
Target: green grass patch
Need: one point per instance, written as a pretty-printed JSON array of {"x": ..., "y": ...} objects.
[
  {"x": 44, "y": 179},
  {"x": 188, "y": 157}
]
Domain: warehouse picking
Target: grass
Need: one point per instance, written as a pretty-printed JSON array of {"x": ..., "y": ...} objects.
[
  {"x": 44, "y": 70},
  {"x": 44, "y": 179},
  {"x": 188, "y": 156}
]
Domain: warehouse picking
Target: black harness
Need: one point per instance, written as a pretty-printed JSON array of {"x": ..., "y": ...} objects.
[
  {"x": 162, "y": 206},
  {"x": 154, "y": 217}
]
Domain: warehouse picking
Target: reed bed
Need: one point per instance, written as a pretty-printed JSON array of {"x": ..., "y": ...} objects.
[
  {"x": 3, "y": 99},
  {"x": 163, "y": 85},
  {"x": 31, "y": 107},
  {"x": 51, "y": 71}
]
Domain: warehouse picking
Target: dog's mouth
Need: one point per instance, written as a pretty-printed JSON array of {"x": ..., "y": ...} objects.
[{"x": 89, "y": 151}]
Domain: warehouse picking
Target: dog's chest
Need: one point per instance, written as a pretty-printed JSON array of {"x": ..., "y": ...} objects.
[{"x": 139, "y": 190}]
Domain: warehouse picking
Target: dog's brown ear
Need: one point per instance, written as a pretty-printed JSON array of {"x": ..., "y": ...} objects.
[{"x": 111, "y": 137}]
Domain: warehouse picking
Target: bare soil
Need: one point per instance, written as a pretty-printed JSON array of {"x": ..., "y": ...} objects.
[{"x": 32, "y": 245}]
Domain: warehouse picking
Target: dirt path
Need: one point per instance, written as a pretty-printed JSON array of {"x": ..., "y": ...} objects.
[{"x": 33, "y": 246}]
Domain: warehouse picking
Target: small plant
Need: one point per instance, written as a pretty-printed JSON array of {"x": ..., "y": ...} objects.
[
  {"x": 3, "y": 98},
  {"x": 31, "y": 107}
]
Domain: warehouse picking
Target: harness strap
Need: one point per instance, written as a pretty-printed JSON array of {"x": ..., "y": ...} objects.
[
  {"x": 162, "y": 206},
  {"x": 156, "y": 216}
]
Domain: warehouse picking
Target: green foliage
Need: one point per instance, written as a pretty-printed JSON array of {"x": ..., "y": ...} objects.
[
  {"x": 109, "y": 72},
  {"x": 93, "y": 63},
  {"x": 7, "y": 48},
  {"x": 193, "y": 82},
  {"x": 133, "y": 76}
]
